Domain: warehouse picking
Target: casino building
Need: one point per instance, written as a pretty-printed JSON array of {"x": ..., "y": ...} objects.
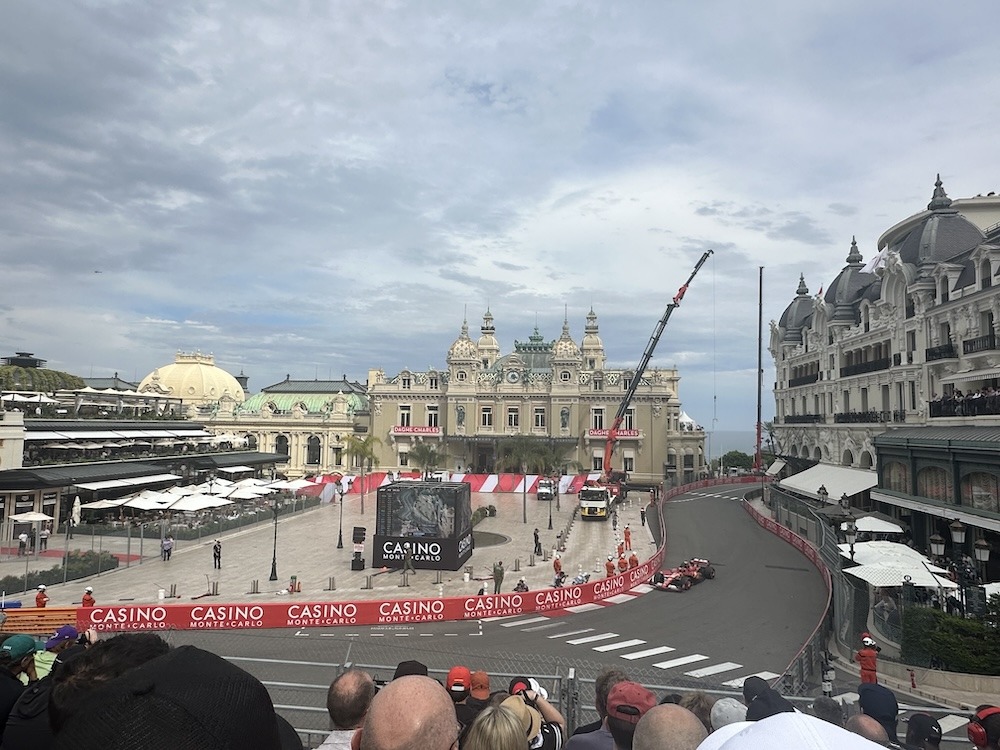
[{"x": 559, "y": 391}]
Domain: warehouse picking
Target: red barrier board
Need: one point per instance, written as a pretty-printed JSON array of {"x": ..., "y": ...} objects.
[{"x": 294, "y": 614}]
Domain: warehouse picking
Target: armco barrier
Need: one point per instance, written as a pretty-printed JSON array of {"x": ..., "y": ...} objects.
[
  {"x": 249, "y": 616},
  {"x": 808, "y": 661}
]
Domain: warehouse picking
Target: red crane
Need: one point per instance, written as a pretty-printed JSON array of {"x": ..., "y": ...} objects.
[{"x": 612, "y": 478}]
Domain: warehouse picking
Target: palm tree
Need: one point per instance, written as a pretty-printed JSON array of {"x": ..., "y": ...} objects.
[
  {"x": 426, "y": 457},
  {"x": 361, "y": 451}
]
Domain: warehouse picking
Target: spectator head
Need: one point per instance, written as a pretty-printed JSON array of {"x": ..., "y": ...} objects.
[
  {"x": 867, "y": 727},
  {"x": 789, "y": 730},
  {"x": 727, "y": 711},
  {"x": 752, "y": 687},
  {"x": 15, "y": 653},
  {"x": 75, "y": 680},
  {"x": 410, "y": 667},
  {"x": 762, "y": 700},
  {"x": 700, "y": 704},
  {"x": 495, "y": 728},
  {"x": 480, "y": 686},
  {"x": 528, "y": 719},
  {"x": 984, "y": 727},
  {"x": 64, "y": 638},
  {"x": 411, "y": 711},
  {"x": 828, "y": 709},
  {"x": 186, "y": 699},
  {"x": 671, "y": 698},
  {"x": 348, "y": 699},
  {"x": 606, "y": 680},
  {"x": 459, "y": 683},
  {"x": 668, "y": 727},
  {"x": 628, "y": 702},
  {"x": 519, "y": 684},
  {"x": 923, "y": 731},
  {"x": 880, "y": 703}
]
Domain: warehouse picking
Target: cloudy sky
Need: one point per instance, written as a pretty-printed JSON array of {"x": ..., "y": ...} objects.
[{"x": 317, "y": 188}]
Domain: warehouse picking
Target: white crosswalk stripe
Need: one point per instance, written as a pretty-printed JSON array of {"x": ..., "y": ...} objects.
[
  {"x": 616, "y": 646},
  {"x": 726, "y": 666},
  {"x": 738, "y": 682},
  {"x": 680, "y": 661},
  {"x": 518, "y": 623},
  {"x": 568, "y": 633},
  {"x": 648, "y": 652},
  {"x": 592, "y": 638},
  {"x": 951, "y": 722}
]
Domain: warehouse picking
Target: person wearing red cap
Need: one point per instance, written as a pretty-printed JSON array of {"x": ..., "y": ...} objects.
[
  {"x": 459, "y": 687},
  {"x": 628, "y": 702}
]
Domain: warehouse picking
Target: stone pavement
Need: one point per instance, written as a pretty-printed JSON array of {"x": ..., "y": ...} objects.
[{"x": 307, "y": 549}]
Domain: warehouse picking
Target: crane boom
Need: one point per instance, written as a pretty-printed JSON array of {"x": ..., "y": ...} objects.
[{"x": 647, "y": 355}]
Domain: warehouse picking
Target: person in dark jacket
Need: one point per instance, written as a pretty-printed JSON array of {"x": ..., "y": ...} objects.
[
  {"x": 762, "y": 700},
  {"x": 17, "y": 657}
]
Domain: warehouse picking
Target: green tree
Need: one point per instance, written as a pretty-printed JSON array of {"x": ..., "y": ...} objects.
[
  {"x": 426, "y": 457},
  {"x": 737, "y": 460},
  {"x": 772, "y": 438},
  {"x": 360, "y": 452}
]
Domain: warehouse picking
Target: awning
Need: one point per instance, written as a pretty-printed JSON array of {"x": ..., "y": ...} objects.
[
  {"x": 874, "y": 525},
  {"x": 893, "y": 574},
  {"x": 774, "y": 468},
  {"x": 234, "y": 469},
  {"x": 949, "y": 512},
  {"x": 990, "y": 373},
  {"x": 838, "y": 480},
  {"x": 45, "y": 435},
  {"x": 135, "y": 482}
]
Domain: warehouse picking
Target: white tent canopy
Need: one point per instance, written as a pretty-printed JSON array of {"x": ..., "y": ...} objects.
[
  {"x": 894, "y": 573},
  {"x": 838, "y": 480},
  {"x": 873, "y": 525},
  {"x": 199, "y": 502},
  {"x": 31, "y": 516}
]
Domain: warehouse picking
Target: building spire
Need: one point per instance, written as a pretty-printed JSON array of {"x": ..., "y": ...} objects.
[
  {"x": 854, "y": 256},
  {"x": 939, "y": 199},
  {"x": 803, "y": 289}
]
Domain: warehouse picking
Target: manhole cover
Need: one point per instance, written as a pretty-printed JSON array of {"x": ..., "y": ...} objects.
[{"x": 488, "y": 538}]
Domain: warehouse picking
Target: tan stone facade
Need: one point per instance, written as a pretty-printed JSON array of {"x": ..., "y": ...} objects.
[{"x": 556, "y": 390}]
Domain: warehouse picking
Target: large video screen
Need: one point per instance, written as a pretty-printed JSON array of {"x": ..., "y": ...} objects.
[{"x": 439, "y": 510}]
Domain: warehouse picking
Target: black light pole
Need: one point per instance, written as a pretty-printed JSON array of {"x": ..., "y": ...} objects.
[
  {"x": 340, "y": 531},
  {"x": 274, "y": 554},
  {"x": 958, "y": 537},
  {"x": 550, "y": 509}
]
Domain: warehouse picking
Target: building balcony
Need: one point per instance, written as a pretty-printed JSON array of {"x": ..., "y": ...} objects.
[
  {"x": 980, "y": 344},
  {"x": 870, "y": 417},
  {"x": 970, "y": 406},
  {"x": 804, "y": 380},
  {"x": 804, "y": 418},
  {"x": 945, "y": 351},
  {"x": 861, "y": 368}
]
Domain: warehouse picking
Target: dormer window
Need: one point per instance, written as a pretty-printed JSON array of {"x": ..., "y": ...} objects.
[
  {"x": 432, "y": 382},
  {"x": 405, "y": 382},
  {"x": 598, "y": 384},
  {"x": 591, "y": 363}
]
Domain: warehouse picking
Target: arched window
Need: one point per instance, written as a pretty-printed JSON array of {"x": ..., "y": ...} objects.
[
  {"x": 251, "y": 442},
  {"x": 847, "y": 459},
  {"x": 281, "y": 445},
  {"x": 934, "y": 483},
  {"x": 897, "y": 477},
  {"x": 981, "y": 490},
  {"x": 866, "y": 460},
  {"x": 818, "y": 454},
  {"x": 313, "y": 449}
]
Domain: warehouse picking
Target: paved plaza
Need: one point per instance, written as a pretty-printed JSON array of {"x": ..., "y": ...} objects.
[{"x": 307, "y": 549}]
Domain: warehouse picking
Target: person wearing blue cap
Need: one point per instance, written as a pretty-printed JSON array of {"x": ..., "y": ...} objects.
[
  {"x": 16, "y": 658},
  {"x": 61, "y": 640}
]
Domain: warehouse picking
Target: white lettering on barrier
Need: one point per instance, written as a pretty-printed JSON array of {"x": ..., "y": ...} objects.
[
  {"x": 136, "y": 618},
  {"x": 498, "y": 605},
  {"x": 420, "y": 610},
  {"x": 609, "y": 587},
  {"x": 331, "y": 613},
  {"x": 563, "y": 597}
]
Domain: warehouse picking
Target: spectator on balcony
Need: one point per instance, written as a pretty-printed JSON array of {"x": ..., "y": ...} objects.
[{"x": 347, "y": 702}]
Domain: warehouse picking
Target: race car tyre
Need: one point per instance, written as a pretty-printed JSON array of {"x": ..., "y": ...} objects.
[
  {"x": 708, "y": 572},
  {"x": 684, "y": 582}
]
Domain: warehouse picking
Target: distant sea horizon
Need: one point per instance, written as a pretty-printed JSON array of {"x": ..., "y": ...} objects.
[{"x": 721, "y": 442}]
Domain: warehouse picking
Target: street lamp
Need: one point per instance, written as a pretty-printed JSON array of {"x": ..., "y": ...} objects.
[
  {"x": 937, "y": 545},
  {"x": 340, "y": 531},
  {"x": 982, "y": 548},
  {"x": 851, "y": 533},
  {"x": 274, "y": 553},
  {"x": 550, "y": 510},
  {"x": 958, "y": 537}
]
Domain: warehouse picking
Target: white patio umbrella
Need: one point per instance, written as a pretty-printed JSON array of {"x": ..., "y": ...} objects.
[
  {"x": 102, "y": 504},
  {"x": 75, "y": 517},
  {"x": 199, "y": 502},
  {"x": 252, "y": 482},
  {"x": 293, "y": 484},
  {"x": 874, "y": 526},
  {"x": 245, "y": 493},
  {"x": 149, "y": 502},
  {"x": 31, "y": 516},
  {"x": 181, "y": 491},
  {"x": 894, "y": 574}
]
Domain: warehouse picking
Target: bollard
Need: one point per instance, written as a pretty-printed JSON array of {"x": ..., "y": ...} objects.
[
  {"x": 254, "y": 586},
  {"x": 517, "y": 564},
  {"x": 173, "y": 590},
  {"x": 531, "y": 560},
  {"x": 438, "y": 579},
  {"x": 332, "y": 584},
  {"x": 215, "y": 588},
  {"x": 368, "y": 583},
  {"x": 404, "y": 579}
]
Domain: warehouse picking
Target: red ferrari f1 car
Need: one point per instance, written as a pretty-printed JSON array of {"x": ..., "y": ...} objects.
[{"x": 684, "y": 576}]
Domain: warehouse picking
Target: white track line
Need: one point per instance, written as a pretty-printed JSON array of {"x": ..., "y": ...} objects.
[
  {"x": 571, "y": 632},
  {"x": 680, "y": 661},
  {"x": 518, "y": 623},
  {"x": 648, "y": 652},
  {"x": 592, "y": 638},
  {"x": 616, "y": 646},
  {"x": 714, "y": 669}
]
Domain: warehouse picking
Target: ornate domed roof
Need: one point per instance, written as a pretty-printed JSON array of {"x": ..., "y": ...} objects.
[
  {"x": 193, "y": 378},
  {"x": 849, "y": 287},
  {"x": 942, "y": 235},
  {"x": 565, "y": 348},
  {"x": 797, "y": 314},
  {"x": 464, "y": 347}
]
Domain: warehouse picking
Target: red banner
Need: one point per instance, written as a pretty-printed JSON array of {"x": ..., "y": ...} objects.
[{"x": 294, "y": 614}]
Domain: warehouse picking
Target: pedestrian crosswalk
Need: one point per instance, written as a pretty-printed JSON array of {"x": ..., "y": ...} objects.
[
  {"x": 700, "y": 666},
  {"x": 948, "y": 722}
]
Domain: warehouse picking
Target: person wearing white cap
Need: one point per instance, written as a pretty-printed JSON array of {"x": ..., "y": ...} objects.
[
  {"x": 41, "y": 598},
  {"x": 88, "y": 597}
]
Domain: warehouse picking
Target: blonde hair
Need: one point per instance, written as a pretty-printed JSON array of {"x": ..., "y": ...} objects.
[{"x": 496, "y": 728}]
